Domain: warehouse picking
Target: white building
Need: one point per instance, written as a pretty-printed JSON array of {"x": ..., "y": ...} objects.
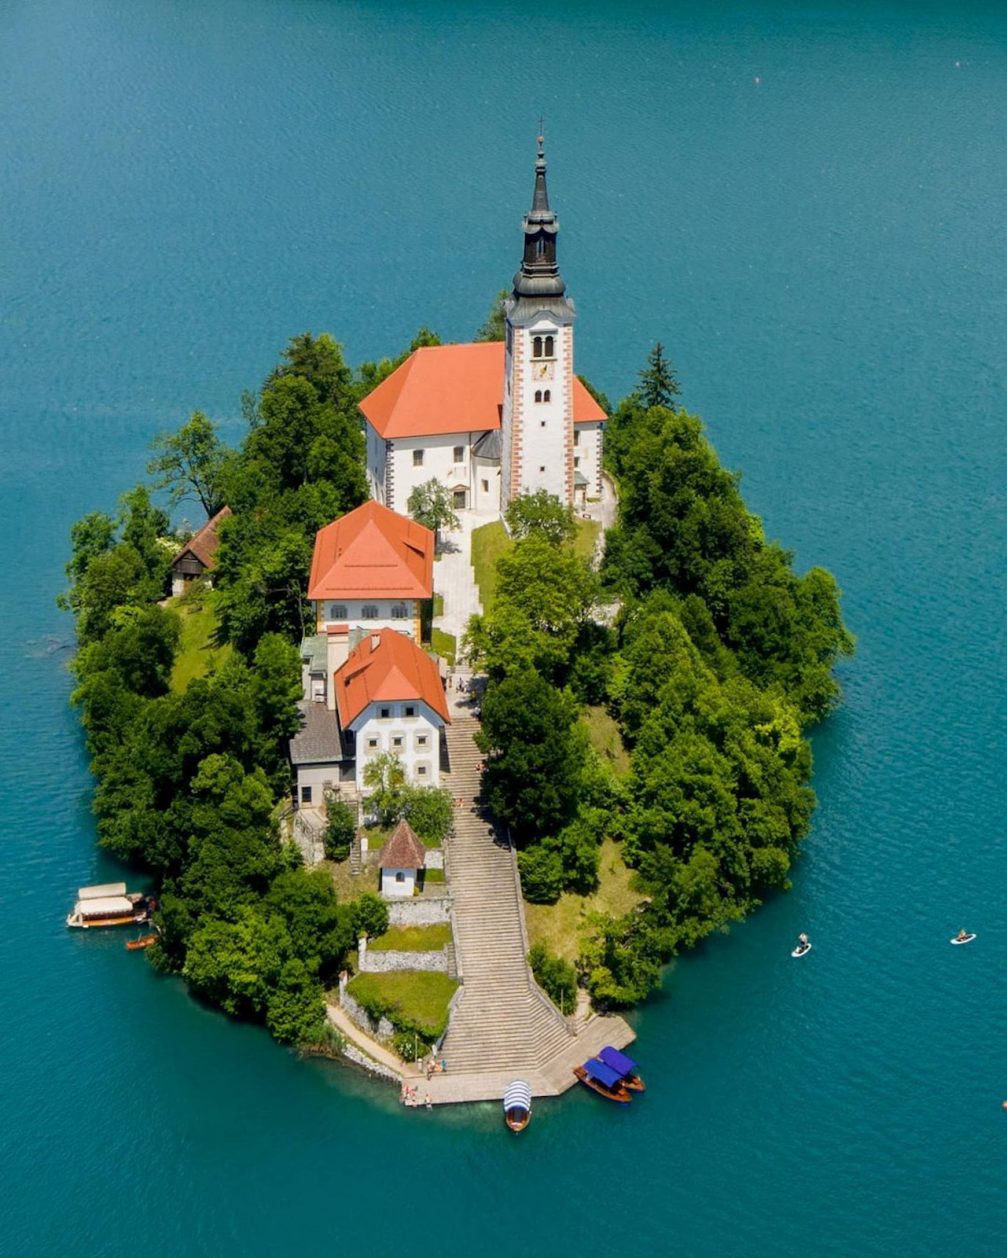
[
  {"x": 402, "y": 861},
  {"x": 491, "y": 420}
]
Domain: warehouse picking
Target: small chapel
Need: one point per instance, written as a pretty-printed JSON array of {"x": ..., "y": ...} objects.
[{"x": 492, "y": 420}]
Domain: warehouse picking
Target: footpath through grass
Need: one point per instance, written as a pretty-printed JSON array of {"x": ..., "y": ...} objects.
[
  {"x": 562, "y": 926},
  {"x": 198, "y": 652}
]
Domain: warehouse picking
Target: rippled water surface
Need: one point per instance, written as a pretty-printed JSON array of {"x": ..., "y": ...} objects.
[{"x": 806, "y": 206}]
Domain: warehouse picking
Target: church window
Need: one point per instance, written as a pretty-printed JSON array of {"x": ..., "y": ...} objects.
[
  {"x": 549, "y": 347},
  {"x": 417, "y": 458},
  {"x": 459, "y": 454},
  {"x": 541, "y": 423},
  {"x": 338, "y": 611},
  {"x": 576, "y": 437},
  {"x": 400, "y": 611},
  {"x": 486, "y": 486},
  {"x": 576, "y": 462},
  {"x": 547, "y": 396},
  {"x": 536, "y": 347},
  {"x": 543, "y": 346},
  {"x": 538, "y": 395},
  {"x": 400, "y": 876},
  {"x": 305, "y": 794},
  {"x": 539, "y": 248},
  {"x": 369, "y": 611},
  {"x": 541, "y": 469}
]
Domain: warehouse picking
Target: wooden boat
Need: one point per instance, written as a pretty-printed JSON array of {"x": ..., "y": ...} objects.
[
  {"x": 602, "y": 1079},
  {"x": 626, "y": 1067},
  {"x": 517, "y": 1105},
  {"x": 143, "y": 942},
  {"x": 110, "y": 905}
]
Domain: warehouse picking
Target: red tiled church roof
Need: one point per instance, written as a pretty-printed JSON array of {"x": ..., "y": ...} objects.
[
  {"x": 387, "y": 667},
  {"x": 403, "y": 850},
  {"x": 452, "y": 388},
  {"x": 372, "y": 553}
]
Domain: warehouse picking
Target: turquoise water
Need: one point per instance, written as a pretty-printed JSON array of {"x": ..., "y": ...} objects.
[{"x": 184, "y": 187}]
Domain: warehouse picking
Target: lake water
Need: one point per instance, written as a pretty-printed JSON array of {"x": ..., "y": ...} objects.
[{"x": 805, "y": 204}]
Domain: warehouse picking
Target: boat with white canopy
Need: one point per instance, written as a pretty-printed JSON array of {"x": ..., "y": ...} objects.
[
  {"x": 109, "y": 904},
  {"x": 517, "y": 1105}
]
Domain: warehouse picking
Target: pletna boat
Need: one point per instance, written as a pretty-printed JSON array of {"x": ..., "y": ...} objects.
[
  {"x": 602, "y": 1079},
  {"x": 110, "y": 905},
  {"x": 517, "y": 1105},
  {"x": 134, "y": 945},
  {"x": 626, "y": 1067}
]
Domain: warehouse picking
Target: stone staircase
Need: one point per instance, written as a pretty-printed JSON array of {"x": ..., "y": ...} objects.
[{"x": 504, "y": 1026}]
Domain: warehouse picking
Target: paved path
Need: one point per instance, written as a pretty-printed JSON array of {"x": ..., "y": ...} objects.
[
  {"x": 504, "y": 1027},
  {"x": 455, "y": 579}
]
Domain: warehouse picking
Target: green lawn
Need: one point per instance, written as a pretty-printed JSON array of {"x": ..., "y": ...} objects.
[
  {"x": 198, "y": 653},
  {"x": 587, "y": 536},
  {"x": 412, "y": 939},
  {"x": 444, "y": 644},
  {"x": 606, "y": 739},
  {"x": 419, "y": 996},
  {"x": 561, "y": 926},
  {"x": 489, "y": 542}
]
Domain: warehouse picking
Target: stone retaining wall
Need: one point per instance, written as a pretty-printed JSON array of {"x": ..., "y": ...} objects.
[
  {"x": 419, "y": 910},
  {"x": 435, "y": 858},
  {"x": 376, "y": 961}
]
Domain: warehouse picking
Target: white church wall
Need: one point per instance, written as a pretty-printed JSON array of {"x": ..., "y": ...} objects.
[
  {"x": 438, "y": 463},
  {"x": 540, "y": 433},
  {"x": 587, "y": 447},
  {"x": 414, "y": 739}
]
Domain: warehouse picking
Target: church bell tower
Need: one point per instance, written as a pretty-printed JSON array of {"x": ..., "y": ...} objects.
[{"x": 537, "y": 417}]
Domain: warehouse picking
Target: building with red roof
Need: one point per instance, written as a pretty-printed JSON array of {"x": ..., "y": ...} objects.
[
  {"x": 494, "y": 419},
  {"x": 198, "y": 557}
]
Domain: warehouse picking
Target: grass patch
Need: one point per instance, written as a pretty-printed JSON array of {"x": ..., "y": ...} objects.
[
  {"x": 587, "y": 537},
  {"x": 350, "y": 887},
  {"x": 438, "y": 604},
  {"x": 489, "y": 542},
  {"x": 433, "y": 875},
  {"x": 444, "y": 644},
  {"x": 561, "y": 926},
  {"x": 198, "y": 652},
  {"x": 417, "y": 996},
  {"x": 412, "y": 939},
  {"x": 606, "y": 739}
]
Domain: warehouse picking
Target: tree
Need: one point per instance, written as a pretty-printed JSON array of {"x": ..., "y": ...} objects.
[
  {"x": 495, "y": 326},
  {"x": 430, "y": 505},
  {"x": 385, "y": 778},
  {"x": 295, "y": 1013},
  {"x": 318, "y": 360},
  {"x": 188, "y": 463},
  {"x": 541, "y": 872},
  {"x": 430, "y": 811},
  {"x": 340, "y": 828},
  {"x": 658, "y": 383},
  {"x": 541, "y": 514},
  {"x": 556, "y": 977},
  {"x": 370, "y": 915},
  {"x": 535, "y": 749}
]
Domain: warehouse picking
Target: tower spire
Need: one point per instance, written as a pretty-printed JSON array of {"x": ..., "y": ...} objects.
[{"x": 539, "y": 274}]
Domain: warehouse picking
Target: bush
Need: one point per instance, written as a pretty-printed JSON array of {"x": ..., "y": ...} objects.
[
  {"x": 370, "y": 915},
  {"x": 556, "y": 977},
  {"x": 541, "y": 874},
  {"x": 340, "y": 829}
]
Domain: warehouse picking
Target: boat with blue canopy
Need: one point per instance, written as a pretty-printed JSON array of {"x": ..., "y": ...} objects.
[
  {"x": 517, "y": 1105},
  {"x": 626, "y": 1067},
  {"x": 603, "y": 1079}
]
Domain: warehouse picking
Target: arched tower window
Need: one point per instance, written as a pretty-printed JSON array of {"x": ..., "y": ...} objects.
[
  {"x": 547, "y": 395},
  {"x": 536, "y": 347},
  {"x": 549, "y": 344},
  {"x": 538, "y": 395}
]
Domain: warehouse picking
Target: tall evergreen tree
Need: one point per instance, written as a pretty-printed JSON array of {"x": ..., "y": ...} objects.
[{"x": 658, "y": 383}]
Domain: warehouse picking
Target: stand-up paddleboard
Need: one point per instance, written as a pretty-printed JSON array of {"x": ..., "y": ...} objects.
[
  {"x": 802, "y": 950},
  {"x": 967, "y": 939}
]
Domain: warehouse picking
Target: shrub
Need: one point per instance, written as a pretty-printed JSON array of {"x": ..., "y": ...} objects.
[
  {"x": 370, "y": 915},
  {"x": 340, "y": 829},
  {"x": 556, "y": 977},
  {"x": 541, "y": 874}
]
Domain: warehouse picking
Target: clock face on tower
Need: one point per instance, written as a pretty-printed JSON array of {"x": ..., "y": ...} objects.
[{"x": 542, "y": 371}]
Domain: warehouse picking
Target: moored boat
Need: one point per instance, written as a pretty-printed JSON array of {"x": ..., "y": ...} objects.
[
  {"x": 602, "y": 1079},
  {"x": 626, "y": 1067},
  {"x": 517, "y": 1105},
  {"x": 109, "y": 904},
  {"x": 134, "y": 945}
]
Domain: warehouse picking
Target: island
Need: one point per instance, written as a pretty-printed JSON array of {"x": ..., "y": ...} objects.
[{"x": 472, "y": 703}]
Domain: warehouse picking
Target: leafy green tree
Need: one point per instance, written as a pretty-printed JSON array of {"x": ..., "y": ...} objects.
[
  {"x": 90, "y": 537},
  {"x": 541, "y": 869},
  {"x": 658, "y": 383},
  {"x": 320, "y": 929},
  {"x": 295, "y": 1012},
  {"x": 556, "y": 977},
  {"x": 535, "y": 749},
  {"x": 188, "y": 463},
  {"x": 494, "y": 328},
  {"x": 385, "y": 778},
  {"x": 430, "y": 811},
  {"x": 318, "y": 360},
  {"x": 370, "y": 915},
  {"x": 340, "y": 828},
  {"x": 430, "y": 505},
  {"x": 423, "y": 339},
  {"x": 238, "y": 964},
  {"x": 541, "y": 514}
]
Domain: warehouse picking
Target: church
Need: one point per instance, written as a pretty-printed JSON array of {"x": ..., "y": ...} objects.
[{"x": 492, "y": 420}]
